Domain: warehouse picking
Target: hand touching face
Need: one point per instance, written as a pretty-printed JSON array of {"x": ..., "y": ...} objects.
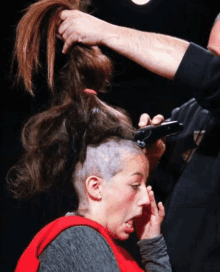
[{"x": 149, "y": 224}]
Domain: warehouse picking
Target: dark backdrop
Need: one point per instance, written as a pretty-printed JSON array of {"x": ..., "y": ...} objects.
[{"x": 133, "y": 88}]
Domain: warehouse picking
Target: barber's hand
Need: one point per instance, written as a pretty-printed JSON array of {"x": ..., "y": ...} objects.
[
  {"x": 155, "y": 150},
  {"x": 81, "y": 27},
  {"x": 149, "y": 224}
]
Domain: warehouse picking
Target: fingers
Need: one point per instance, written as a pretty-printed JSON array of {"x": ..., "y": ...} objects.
[
  {"x": 66, "y": 29},
  {"x": 63, "y": 27},
  {"x": 158, "y": 149},
  {"x": 66, "y": 13},
  {"x": 67, "y": 16},
  {"x": 149, "y": 224},
  {"x": 69, "y": 41},
  {"x": 149, "y": 188},
  {"x": 161, "y": 210},
  {"x": 153, "y": 203},
  {"x": 158, "y": 119},
  {"x": 145, "y": 120},
  {"x": 157, "y": 210}
]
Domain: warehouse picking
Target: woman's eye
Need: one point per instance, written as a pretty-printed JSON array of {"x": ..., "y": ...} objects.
[{"x": 135, "y": 186}]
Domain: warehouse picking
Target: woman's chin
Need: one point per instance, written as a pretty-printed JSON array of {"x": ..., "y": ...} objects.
[
  {"x": 122, "y": 235},
  {"x": 123, "y": 232}
]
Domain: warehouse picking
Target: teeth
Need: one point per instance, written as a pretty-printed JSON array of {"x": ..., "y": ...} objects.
[{"x": 130, "y": 222}]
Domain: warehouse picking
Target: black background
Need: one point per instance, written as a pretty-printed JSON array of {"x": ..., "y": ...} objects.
[{"x": 133, "y": 88}]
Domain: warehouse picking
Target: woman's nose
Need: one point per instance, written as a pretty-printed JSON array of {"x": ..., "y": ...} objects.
[{"x": 144, "y": 197}]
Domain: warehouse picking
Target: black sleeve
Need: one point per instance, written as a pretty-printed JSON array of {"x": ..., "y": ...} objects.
[
  {"x": 78, "y": 249},
  {"x": 200, "y": 69},
  {"x": 154, "y": 255},
  {"x": 180, "y": 148}
]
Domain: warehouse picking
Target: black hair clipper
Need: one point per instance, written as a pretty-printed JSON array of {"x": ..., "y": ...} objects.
[{"x": 151, "y": 134}]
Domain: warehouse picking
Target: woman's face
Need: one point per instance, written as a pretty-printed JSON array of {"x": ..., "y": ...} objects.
[{"x": 125, "y": 195}]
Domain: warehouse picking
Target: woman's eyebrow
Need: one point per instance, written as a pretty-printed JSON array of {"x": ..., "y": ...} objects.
[{"x": 137, "y": 173}]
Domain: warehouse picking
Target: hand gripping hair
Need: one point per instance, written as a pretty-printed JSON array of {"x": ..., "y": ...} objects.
[{"x": 56, "y": 139}]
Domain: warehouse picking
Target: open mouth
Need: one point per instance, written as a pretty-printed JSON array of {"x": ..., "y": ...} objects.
[
  {"x": 129, "y": 226},
  {"x": 130, "y": 223}
]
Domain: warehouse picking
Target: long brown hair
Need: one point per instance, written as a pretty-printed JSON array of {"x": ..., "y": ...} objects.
[{"x": 55, "y": 139}]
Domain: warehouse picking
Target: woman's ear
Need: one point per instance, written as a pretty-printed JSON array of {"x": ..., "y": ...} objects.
[{"x": 94, "y": 186}]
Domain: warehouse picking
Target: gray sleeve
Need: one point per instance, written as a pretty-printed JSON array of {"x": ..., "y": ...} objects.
[
  {"x": 75, "y": 250},
  {"x": 154, "y": 255}
]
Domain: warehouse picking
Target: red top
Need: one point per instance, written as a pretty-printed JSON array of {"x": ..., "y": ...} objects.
[{"x": 29, "y": 261}]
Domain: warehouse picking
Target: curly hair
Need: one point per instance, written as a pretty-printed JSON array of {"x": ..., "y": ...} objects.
[{"x": 55, "y": 139}]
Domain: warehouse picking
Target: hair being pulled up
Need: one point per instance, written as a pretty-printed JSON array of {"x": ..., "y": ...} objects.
[{"x": 55, "y": 139}]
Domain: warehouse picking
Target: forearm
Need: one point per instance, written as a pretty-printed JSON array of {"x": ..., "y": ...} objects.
[
  {"x": 158, "y": 53},
  {"x": 161, "y": 54},
  {"x": 154, "y": 255}
]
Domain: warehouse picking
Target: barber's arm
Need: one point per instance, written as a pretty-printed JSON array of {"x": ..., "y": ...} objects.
[
  {"x": 158, "y": 53},
  {"x": 164, "y": 55}
]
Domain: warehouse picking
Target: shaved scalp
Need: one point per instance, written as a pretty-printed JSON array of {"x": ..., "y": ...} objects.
[
  {"x": 217, "y": 18},
  {"x": 104, "y": 160}
]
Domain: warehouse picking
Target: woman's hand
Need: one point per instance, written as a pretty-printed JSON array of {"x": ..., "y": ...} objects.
[
  {"x": 153, "y": 151},
  {"x": 149, "y": 224}
]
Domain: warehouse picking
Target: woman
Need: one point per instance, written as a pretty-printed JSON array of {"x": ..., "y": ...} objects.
[{"x": 81, "y": 141}]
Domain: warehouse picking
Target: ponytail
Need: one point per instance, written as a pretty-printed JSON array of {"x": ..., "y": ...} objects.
[
  {"x": 56, "y": 139},
  {"x": 43, "y": 13}
]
